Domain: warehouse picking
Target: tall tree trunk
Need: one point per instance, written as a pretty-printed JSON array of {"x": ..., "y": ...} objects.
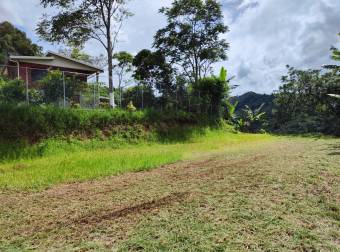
[{"x": 110, "y": 66}]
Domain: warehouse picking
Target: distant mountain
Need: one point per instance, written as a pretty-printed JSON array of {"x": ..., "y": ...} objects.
[{"x": 254, "y": 100}]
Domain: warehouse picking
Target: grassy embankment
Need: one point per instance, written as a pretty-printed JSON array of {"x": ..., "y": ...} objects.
[{"x": 56, "y": 161}]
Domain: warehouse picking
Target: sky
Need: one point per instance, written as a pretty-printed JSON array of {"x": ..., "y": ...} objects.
[{"x": 265, "y": 35}]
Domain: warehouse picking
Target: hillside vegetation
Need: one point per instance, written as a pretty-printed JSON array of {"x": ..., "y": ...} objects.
[
  {"x": 55, "y": 161},
  {"x": 254, "y": 100},
  {"x": 33, "y": 123}
]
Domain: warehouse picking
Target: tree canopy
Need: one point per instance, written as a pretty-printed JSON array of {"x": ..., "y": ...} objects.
[
  {"x": 122, "y": 67},
  {"x": 335, "y": 53},
  {"x": 152, "y": 70},
  {"x": 303, "y": 103},
  {"x": 76, "y": 22},
  {"x": 191, "y": 38},
  {"x": 13, "y": 41},
  {"x": 76, "y": 53}
]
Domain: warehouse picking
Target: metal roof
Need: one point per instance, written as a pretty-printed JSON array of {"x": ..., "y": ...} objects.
[
  {"x": 74, "y": 60},
  {"x": 49, "y": 57},
  {"x": 30, "y": 58}
]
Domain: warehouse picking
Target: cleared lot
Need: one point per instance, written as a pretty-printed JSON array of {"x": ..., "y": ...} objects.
[{"x": 275, "y": 195}]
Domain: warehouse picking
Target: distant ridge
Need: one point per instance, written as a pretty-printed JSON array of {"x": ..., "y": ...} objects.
[{"x": 254, "y": 100}]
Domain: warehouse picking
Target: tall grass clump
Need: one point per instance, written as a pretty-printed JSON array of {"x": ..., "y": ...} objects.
[{"x": 33, "y": 123}]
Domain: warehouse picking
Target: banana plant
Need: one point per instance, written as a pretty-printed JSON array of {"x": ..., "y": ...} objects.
[
  {"x": 252, "y": 120},
  {"x": 223, "y": 74},
  {"x": 230, "y": 110}
]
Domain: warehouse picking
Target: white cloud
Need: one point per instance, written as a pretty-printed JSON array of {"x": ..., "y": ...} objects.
[{"x": 275, "y": 33}]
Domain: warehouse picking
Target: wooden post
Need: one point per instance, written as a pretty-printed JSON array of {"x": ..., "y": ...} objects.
[
  {"x": 64, "y": 89},
  {"x": 27, "y": 97},
  {"x": 94, "y": 92}
]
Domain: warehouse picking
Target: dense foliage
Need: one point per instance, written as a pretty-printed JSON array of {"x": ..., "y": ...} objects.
[
  {"x": 153, "y": 71},
  {"x": 252, "y": 120},
  {"x": 12, "y": 91},
  {"x": 52, "y": 86},
  {"x": 303, "y": 103},
  {"x": 14, "y": 42},
  {"x": 33, "y": 123},
  {"x": 210, "y": 92},
  {"x": 191, "y": 38}
]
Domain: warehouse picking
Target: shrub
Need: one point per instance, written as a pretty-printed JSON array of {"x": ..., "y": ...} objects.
[
  {"x": 130, "y": 107},
  {"x": 12, "y": 91},
  {"x": 252, "y": 121},
  {"x": 211, "y": 92},
  {"x": 33, "y": 123},
  {"x": 53, "y": 86}
]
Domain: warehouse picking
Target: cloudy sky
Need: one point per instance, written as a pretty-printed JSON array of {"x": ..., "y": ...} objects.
[{"x": 265, "y": 35}]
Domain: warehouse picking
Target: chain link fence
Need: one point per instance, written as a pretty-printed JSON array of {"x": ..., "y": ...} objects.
[
  {"x": 78, "y": 90},
  {"x": 143, "y": 97}
]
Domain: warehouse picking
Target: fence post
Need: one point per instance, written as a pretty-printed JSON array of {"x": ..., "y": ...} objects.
[
  {"x": 64, "y": 89},
  {"x": 98, "y": 89},
  {"x": 94, "y": 95},
  {"x": 189, "y": 103},
  {"x": 142, "y": 97},
  {"x": 27, "y": 96},
  {"x": 121, "y": 97}
]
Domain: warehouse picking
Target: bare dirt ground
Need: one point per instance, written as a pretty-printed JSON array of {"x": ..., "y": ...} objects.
[{"x": 276, "y": 196}]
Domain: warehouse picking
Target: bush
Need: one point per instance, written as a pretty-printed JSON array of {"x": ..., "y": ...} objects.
[
  {"x": 211, "y": 92},
  {"x": 53, "y": 86},
  {"x": 130, "y": 107},
  {"x": 12, "y": 91},
  {"x": 33, "y": 123},
  {"x": 252, "y": 121}
]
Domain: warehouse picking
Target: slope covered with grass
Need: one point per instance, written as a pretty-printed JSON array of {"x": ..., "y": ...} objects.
[{"x": 82, "y": 160}]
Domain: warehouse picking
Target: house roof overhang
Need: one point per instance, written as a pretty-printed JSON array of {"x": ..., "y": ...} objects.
[{"x": 58, "y": 60}]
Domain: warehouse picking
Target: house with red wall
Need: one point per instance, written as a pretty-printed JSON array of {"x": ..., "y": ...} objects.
[{"x": 31, "y": 69}]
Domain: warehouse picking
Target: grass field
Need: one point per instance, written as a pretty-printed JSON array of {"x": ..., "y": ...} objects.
[
  {"x": 78, "y": 161},
  {"x": 227, "y": 192}
]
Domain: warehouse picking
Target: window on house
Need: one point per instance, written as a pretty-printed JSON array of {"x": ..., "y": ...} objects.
[{"x": 38, "y": 74}]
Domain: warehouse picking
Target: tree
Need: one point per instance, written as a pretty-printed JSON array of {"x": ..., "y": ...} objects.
[
  {"x": 303, "y": 104},
  {"x": 75, "y": 52},
  {"x": 191, "y": 38},
  {"x": 79, "y": 21},
  {"x": 121, "y": 68},
  {"x": 335, "y": 53},
  {"x": 211, "y": 92},
  {"x": 13, "y": 41},
  {"x": 12, "y": 91},
  {"x": 152, "y": 70}
]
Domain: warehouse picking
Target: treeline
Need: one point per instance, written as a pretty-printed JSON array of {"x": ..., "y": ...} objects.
[
  {"x": 308, "y": 100},
  {"x": 177, "y": 74},
  {"x": 304, "y": 104}
]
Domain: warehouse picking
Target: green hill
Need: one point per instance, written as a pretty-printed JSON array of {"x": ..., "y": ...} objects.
[{"x": 254, "y": 100}]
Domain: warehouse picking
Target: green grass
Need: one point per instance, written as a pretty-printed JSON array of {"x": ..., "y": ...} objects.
[
  {"x": 73, "y": 161},
  {"x": 240, "y": 193},
  {"x": 34, "y": 123}
]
